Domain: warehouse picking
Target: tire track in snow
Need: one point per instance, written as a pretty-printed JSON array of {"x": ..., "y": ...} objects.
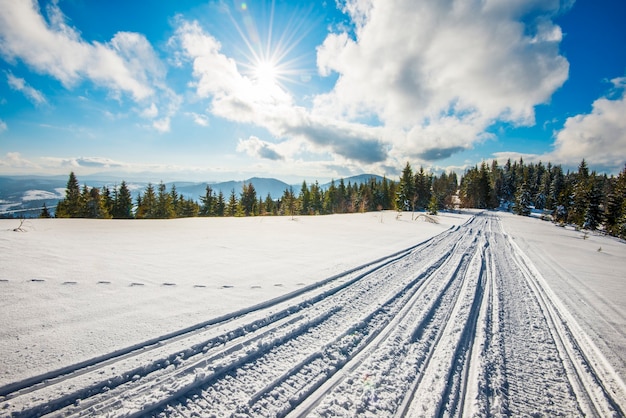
[
  {"x": 274, "y": 399},
  {"x": 76, "y": 387},
  {"x": 374, "y": 362},
  {"x": 598, "y": 389},
  {"x": 461, "y": 325}
]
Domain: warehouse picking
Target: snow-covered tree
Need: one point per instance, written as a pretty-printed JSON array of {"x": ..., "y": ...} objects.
[{"x": 522, "y": 200}]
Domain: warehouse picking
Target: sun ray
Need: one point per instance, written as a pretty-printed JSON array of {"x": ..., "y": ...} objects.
[{"x": 269, "y": 46}]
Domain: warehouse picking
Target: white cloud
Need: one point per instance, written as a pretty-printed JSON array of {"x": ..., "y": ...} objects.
[
  {"x": 463, "y": 64},
  {"x": 201, "y": 120},
  {"x": 599, "y": 137},
  {"x": 14, "y": 161},
  {"x": 425, "y": 93},
  {"x": 162, "y": 125},
  {"x": 150, "y": 112},
  {"x": 82, "y": 162},
  {"x": 32, "y": 94},
  {"x": 236, "y": 97},
  {"x": 255, "y": 147},
  {"x": 126, "y": 64}
]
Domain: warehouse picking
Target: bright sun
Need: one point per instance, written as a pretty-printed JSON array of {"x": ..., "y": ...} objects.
[{"x": 265, "y": 73}]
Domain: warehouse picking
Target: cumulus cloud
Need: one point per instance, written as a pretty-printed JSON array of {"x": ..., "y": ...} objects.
[
  {"x": 200, "y": 120},
  {"x": 599, "y": 137},
  {"x": 162, "y": 125},
  {"x": 236, "y": 97},
  {"x": 150, "y": 112},
  {"x": 15, "y": 161},
  {"x": 32, "y": 94},
  {"x": 464, "y": 63},
  {"x": 255, "y": 147},
  {"x": 49, "y": 46},
  {"x": 425, "y": 93}
]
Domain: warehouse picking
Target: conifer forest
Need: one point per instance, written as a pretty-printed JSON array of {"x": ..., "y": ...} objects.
[{"x": 582, "y": 198}]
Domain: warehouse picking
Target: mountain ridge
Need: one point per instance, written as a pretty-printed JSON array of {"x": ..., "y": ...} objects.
[{"x": 23, "y": 195}]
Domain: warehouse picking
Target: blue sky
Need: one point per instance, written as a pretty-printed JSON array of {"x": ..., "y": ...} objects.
[{"x": 222, "y": 90}]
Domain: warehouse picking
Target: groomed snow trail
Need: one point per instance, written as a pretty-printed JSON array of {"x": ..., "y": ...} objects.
[{"x": 460, "y": 325}]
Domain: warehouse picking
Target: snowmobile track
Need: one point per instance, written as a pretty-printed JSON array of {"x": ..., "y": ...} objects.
[{"x": 461, "y": 324}]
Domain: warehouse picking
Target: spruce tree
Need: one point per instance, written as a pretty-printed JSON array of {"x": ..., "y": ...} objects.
[
  {"x": 581, "y": 195},
  {"x": 248, "y": 201},
  {"x": 44, "y": 212},
  {"x": 433, "y": 206},
  {"x": 208, "y": 202},
  {"x": 330, "y": 198},
  {"x": 70, "y": 207},
  {"x": 231, "y": 207},
  {"x": 269, "y": 205},
  {"x": 289, "y": 204},
  {"x": 317, "y": 199},
  {"x": 406, "y": 189},
  {"x": 147, "y": 204},
  {"x": 220, "y": 205},
  {"x": 305, "y": 199},
  {"x": 593, "y": 213},
  {"x": 164, "y": 204},
  {"x": 123, "y": 203},
  {"x": 522, "y": 200}
]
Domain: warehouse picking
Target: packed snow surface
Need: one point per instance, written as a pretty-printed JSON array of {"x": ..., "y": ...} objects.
[{"x": 345, "y": 315}]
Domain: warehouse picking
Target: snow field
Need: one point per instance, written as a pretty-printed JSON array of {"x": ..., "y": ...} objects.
[
  {"x": 75, "y": 289},
  {"x": 461, "y": 324}
]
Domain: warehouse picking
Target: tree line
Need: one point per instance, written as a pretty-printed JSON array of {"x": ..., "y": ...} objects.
[{"x": 582, "y": 198}]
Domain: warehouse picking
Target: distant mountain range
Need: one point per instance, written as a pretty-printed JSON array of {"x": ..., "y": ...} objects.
[{"x": 26, "y": 195}]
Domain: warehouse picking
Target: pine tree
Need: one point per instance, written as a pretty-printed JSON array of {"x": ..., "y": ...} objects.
[
  {"x": 220, "y": 205},
  {"x": 231, "y": 207},
  {"x": 330, "y": 198},
  {"x": 593, "y": 212},
  {"x": 305, "y": 199},
  {"x": 485, "y": 189},
  {"x": 433, "y": 206},
  {"x": 248, "y": 200},
  {"x": 71, "y": 206},
  {"x": 177, "y": 202},
  {"x": 406, "y": 189},
  {"x": 164, "y": 203},
  {"x": 289, "y": 204},
  {"x": 522, "y": 200},
  {"x": 147, "y": 204},
  {"x": 107, "y": 199},
  {"x": 122, "y": 202},
  {"x": 208, "y": 202},
  {"x": 508, "y": 179},
  {"x": 581, "y": 195},
  {"x": 267, "y": 206},
  {"x": 423, "y": 186},
  {"x": 44, "y": 212},
  {"x": 317, "y": 199},
  {"x": 94, "y": 204}
]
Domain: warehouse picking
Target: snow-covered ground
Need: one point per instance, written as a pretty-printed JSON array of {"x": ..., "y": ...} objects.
[
  {"x": 74, "y": 289},
  {"x": 588, "y": 273},
  {"x": 363, "y": 314}
]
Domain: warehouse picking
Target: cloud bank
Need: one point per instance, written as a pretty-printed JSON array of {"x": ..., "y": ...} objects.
[
  {"x": 461, "y": 66},
  {"x": 599, "y": 136},
  {"x": 127, "y": 64},
  {"x": 425, "y": 93},
  {"x": 239, "y": 98}
]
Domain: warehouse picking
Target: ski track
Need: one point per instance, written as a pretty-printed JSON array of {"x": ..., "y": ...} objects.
[{"x": 460, "y": 325}]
